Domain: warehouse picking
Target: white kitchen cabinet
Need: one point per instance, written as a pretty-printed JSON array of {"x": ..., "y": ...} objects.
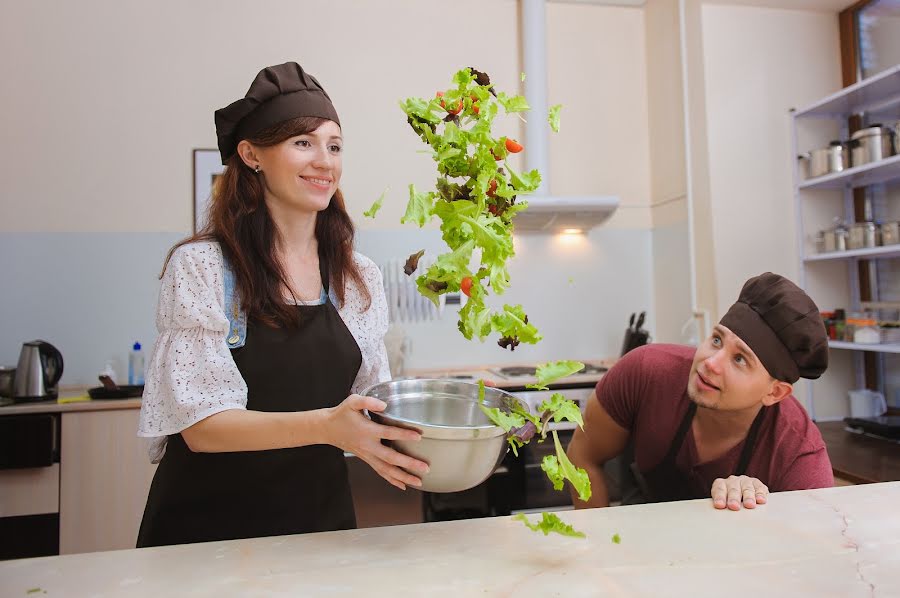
[
  {"x": 104, "y": 478},
  {"x": 832, "y": 279}
]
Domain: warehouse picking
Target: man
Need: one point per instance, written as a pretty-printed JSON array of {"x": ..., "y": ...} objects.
[{"x": 718, "y": 420}]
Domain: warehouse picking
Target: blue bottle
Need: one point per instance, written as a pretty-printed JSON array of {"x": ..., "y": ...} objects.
[{"x": 136, "y": 366}]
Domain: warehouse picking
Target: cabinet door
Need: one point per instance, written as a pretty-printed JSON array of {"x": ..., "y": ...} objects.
[{"x": 105, "y": 476}]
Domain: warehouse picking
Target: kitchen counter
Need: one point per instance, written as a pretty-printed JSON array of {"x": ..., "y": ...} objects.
[
  {"x": 70, "y": 399},
  {"x": 831, "y": 542},
  {"x": 858, "y": 458}
]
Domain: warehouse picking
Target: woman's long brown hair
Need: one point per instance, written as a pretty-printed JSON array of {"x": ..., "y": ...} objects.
[{"x": 240, "y": 222}]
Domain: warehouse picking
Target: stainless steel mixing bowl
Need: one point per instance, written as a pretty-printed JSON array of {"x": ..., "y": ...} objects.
[{"x": 460, "y": 444}]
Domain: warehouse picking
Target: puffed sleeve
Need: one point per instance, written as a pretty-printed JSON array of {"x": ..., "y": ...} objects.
[
  {"x": 191, "y": 374},
  {"x": 369, "y": 327}
]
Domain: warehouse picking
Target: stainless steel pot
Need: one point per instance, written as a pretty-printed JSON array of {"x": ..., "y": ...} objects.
[
  {"x": 820, "y": 162},
  {"x": 871, "y": 144},
  {"x": 863, "y": 234},
  {"x": 460, "y": 444}
]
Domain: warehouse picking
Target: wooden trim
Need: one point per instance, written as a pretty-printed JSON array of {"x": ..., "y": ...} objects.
[{"x": 849, "y": 46}]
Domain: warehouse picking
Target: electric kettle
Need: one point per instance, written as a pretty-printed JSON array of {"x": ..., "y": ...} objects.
[{"x": 39, "y": 370}]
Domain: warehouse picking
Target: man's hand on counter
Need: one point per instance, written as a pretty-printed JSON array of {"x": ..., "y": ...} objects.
[{"x": 738, "y": 490}]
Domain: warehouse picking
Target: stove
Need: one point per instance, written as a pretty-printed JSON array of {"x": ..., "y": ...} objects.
[
  {"x": 516, "y": 371},
  {"x": 528, "y": 371}
]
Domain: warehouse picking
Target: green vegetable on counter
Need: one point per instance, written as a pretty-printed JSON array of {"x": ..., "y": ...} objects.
[
  {"x": 616, "y": 539},
  {"x": 550, "y": 523}
]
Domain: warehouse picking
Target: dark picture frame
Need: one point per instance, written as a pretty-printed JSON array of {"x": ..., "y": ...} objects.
[{"x": 206, "y": 166}]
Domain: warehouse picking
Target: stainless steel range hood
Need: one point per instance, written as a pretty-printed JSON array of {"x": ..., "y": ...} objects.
[{"x": 548, "y": 213}]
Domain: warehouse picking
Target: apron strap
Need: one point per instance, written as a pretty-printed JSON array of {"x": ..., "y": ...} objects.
[
  {"x": 750, "y": 442},
  {"x": 683, "y": 428},
  {"x": 323, "y": 272}
]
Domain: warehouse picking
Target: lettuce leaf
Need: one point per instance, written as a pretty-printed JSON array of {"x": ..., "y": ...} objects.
[
  {"x": 553, "y": 117},
  {"x": 550, "y": 522},
  {"x": 550, "y": 372},
  {"x": 370, "y": 213},
  {"x": 559, "y": 408},
  {"x": 559, "y": 468}
]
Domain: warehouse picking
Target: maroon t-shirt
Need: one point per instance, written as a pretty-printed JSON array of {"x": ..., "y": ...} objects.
[{"x": 646, "y": 393}]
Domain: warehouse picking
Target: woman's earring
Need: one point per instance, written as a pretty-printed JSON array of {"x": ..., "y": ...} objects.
[{"x": 257, "y": 169}]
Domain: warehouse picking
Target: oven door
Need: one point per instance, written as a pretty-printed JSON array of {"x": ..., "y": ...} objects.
[{"x": 538, "y": 493}]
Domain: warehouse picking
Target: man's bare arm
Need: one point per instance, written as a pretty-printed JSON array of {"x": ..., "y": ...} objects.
[{"x": 601, "y": 440}]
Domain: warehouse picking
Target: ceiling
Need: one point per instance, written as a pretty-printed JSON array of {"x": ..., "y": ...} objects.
[
  {"x": 834, "y": 6},
  {"x": 817, "y": 5}
]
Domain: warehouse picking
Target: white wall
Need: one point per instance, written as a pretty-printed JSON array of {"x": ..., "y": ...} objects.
[
  {"x": 106, "y": 99},
  {"x": 668, "y": 173},
  {"x": 598, "y": 70},
  {"x": 752, "y": 64},
  {"x": 112, "y": 96},
  {"x": 759, "y": 63}
]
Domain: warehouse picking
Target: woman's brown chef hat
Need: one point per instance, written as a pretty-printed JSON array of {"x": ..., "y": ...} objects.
[
  {"x": 278, "y": 93},
  {"x": 782, "y": 326}
]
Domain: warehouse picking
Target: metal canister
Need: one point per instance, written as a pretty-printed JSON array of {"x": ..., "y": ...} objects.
[
  {"x": 863, "y": 234},
  {"x": 826, "y": 160},
  {"x": 871, "y": 144},
  {"x": 890, "y": 233}
]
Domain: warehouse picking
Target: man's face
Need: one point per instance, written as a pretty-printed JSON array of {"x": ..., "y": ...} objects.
[{"x": 726, "y": 374}]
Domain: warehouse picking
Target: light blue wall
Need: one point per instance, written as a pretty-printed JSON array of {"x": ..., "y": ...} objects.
[
  {"x": 93, "y": 294},
  {"x": 578, "y": 292},
  {"x": 89, "y": 294}
]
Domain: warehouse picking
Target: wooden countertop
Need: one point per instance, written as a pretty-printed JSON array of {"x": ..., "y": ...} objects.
[
  {"x": 827, "y": 542},
  {"x": 70, "y": 399},
  {"x": 860, "y": 459}
]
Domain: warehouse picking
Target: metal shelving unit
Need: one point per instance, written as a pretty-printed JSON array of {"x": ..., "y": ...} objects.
[
  {"x": 883, "y": 348},
  {"x": 876, "y": 99}
]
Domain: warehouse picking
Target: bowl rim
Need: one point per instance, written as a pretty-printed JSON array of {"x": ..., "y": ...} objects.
[{"x": 444, "y": 432}]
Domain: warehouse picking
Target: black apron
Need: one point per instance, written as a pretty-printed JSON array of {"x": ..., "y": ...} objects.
[
  {"x": 665, "y": 482},
  {"x": 200, "y": 497}
]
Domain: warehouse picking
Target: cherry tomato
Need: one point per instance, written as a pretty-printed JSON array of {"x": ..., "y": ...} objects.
[
  {"x": 466, "y": 286},
  {"x": 513, "y": 146}
]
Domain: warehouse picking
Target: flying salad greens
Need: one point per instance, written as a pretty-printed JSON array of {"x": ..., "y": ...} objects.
[
  {"x": 521, "y": 426},
  {"x": 476, "y": 198}
]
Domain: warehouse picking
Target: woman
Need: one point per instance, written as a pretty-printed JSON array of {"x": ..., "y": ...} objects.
[{"x": 268, "y": 324}]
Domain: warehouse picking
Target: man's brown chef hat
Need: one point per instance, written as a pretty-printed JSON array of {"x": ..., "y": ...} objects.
[
  {"x": 782, "y": 326},
  {"x": 278, "y": 93}
]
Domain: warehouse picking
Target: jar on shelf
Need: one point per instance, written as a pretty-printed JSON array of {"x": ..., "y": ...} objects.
[
  {"x": 835, "y": 239},
  {"x": 840, "y": 323},
  {"x": 865, "y": 330},
  {"x": 890, "y": 233},
  {"x": 828, "y": 320},
  {"x": 863, "y": 234},
  {"x": 853, "y": 320}
]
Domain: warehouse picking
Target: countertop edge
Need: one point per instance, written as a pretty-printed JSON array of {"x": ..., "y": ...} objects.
[{"x": 66, "y": 404}]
